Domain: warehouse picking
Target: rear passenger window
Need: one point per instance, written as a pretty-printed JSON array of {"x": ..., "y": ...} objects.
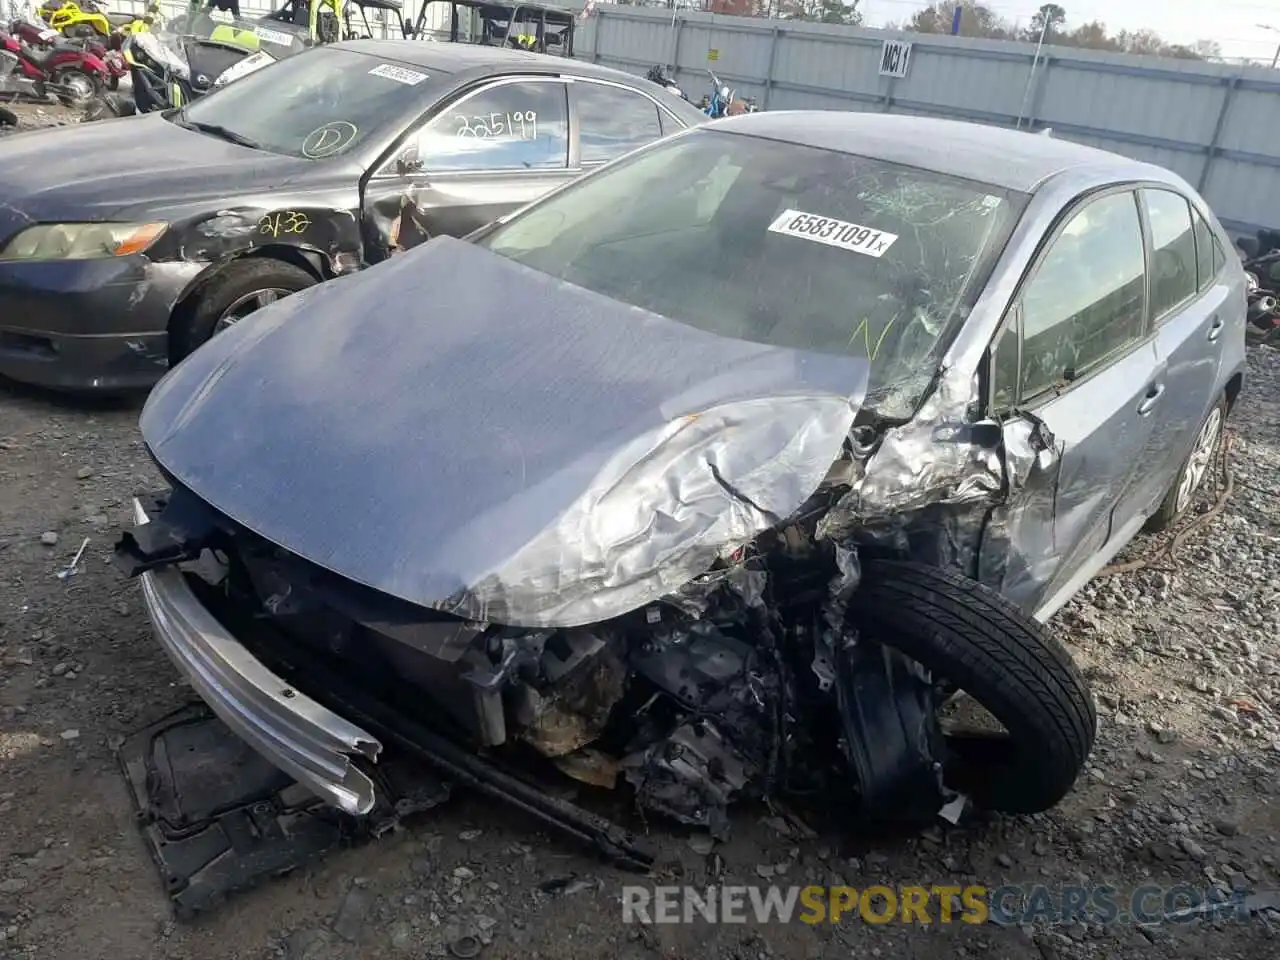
[
  {"x": 1205, "y": 242},
  {"x": 1086, "y": 301},
  {"x": 1173, "y": 250},
  {"x": 613, "y": 121}
]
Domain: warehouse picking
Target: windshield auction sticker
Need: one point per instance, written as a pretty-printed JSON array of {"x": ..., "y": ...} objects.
[
  {"x": 398, "y": 74},
  {"x": 834, "y": 233}
]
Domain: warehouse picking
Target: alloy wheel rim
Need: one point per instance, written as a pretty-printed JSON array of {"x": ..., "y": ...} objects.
[
  {"x": 1198, "y": 463},
  {"x": 249, "y": 303},
  {"x": 79, "y": 87}
]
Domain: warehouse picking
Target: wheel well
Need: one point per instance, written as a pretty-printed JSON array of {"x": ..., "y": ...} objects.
[
  {"x": 1233, "y": 388},
  {"x": 313, "y": 263}
]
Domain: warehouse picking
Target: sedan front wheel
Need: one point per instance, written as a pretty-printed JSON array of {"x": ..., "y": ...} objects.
[{"x": 238, "y": 290}]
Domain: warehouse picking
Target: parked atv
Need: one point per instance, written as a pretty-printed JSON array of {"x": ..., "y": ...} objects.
[
  {"x": 90, "y": 18},
  {"x": 537, "y": 27},
  {"x": 199, "y": 51}
]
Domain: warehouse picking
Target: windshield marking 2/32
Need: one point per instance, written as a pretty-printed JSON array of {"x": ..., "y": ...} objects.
[
  {"x": 398, "y": 74},
  {"x": 284, "y": 222},
  {"x": 854, "y": 237}
]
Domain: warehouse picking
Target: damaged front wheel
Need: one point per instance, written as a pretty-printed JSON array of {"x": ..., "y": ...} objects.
[
  {"x": 967, "y": 634},
  {"x": 230, "y": 295}
]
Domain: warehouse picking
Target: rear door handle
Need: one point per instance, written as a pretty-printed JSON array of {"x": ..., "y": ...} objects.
[
  {"x": 1154, "y": 393},
  {"x": 1215, "y": 327}
]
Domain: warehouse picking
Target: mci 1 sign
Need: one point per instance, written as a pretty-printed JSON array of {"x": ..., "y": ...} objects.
[{"x": 895, "y": 58}]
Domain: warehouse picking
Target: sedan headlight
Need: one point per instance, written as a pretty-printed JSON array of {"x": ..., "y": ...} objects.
[
  {"x": 81, "y": 241},
  {"x": 664, "y": 508}
]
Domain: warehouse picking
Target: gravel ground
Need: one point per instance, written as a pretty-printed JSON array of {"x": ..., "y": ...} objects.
[
  {"x": 33, "y": 116},
  {"x": 1183, "y": 655}
]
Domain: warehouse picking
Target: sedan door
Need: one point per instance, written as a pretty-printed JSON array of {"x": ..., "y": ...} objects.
[
  {"x": 486, "y": 154},
  {"x": 1076, "y": 356},
  {"x": 1190, "y": 312}
]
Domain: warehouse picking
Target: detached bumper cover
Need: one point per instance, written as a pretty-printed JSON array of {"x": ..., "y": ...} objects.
[{"x": 304, "y": 739}]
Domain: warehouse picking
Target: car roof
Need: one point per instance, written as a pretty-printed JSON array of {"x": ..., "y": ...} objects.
[
  {"x": 444, "y": 57},
  {"x": 448, "y": 57},
  {"x": 466, "y": 62},
  {"x": 1012, "y": 159}
]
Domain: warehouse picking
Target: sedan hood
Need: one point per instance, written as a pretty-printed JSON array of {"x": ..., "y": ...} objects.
[
  {"x": 465, "y": 433},
  {"x": 94, "y": 169}
]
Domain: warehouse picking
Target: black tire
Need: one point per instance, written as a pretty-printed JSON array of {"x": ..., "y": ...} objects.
[
  {"x": 1168, "y": 513},
  {"x": 222, "y": 290},
  {"x": 101, "y": 108},
  {"x": 966, "y": 633},
  {"x": 8, "y": 118}
]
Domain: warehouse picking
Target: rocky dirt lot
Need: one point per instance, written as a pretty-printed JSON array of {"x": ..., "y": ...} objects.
[{"x": 1183, "y": 655}]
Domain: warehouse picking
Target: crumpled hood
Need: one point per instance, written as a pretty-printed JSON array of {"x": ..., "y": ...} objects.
[
  {"x": 417, "y": 426},
  {"x": 91, "y": 170}
]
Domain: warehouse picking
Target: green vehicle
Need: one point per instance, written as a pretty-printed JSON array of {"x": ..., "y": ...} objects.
[
  {"x": 206, "y": 48},
  {"x": 537, "y": 27}
]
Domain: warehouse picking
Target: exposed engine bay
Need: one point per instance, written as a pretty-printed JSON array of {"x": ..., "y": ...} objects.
[{"x": 751, "y": 683}]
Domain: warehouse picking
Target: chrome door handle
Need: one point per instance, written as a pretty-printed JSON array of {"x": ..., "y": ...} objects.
[
  {"x": 1216, "y": 327},
  {"x": 1154, "y": 393}
]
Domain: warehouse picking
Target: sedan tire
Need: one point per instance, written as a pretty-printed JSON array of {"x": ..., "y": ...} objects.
[
  {"x": 1192, "y": 473},
  {"x": 966, "y": 634},
  {"x": 232, "y": 294}
]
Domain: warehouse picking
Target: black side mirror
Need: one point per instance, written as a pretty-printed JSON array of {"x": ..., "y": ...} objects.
[{"x": 408, "y": 163}]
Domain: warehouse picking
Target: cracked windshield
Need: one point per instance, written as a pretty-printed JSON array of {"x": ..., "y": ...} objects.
[{"x": 774, "y": 243}]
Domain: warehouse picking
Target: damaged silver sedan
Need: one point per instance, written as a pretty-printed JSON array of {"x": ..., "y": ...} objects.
[{"x": 714, "y": 476}]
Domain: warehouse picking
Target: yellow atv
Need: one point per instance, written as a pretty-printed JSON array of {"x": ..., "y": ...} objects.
[
  {"x": 200, "y": 50},
  {"x": 322, "y": 20},
  {"x": 92, "y": 20}
]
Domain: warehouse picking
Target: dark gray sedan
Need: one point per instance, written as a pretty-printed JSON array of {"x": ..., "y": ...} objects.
[{"x": 310, "y": 169}]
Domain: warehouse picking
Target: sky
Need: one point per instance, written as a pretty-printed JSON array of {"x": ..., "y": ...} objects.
[{"x": 1233, "y": 23}]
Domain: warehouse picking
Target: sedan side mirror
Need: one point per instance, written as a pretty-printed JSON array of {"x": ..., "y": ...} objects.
[{"x": 408, "y": 162}]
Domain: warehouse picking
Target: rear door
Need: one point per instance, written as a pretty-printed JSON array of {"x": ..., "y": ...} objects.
[
  {"x": 1076, "y": 355},
  {"x": 489, "y": 152},
  {"x": 1190, "y": 312},
  {"x": 612, "y": 119}
]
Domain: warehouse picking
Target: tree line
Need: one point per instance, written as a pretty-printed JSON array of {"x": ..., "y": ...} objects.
[
  {"x": 1051, "y": 19},
  {"x": 977, "y": 20}
]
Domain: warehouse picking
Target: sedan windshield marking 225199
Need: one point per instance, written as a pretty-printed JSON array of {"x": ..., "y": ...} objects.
[{"x": 834, "y": 233}]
